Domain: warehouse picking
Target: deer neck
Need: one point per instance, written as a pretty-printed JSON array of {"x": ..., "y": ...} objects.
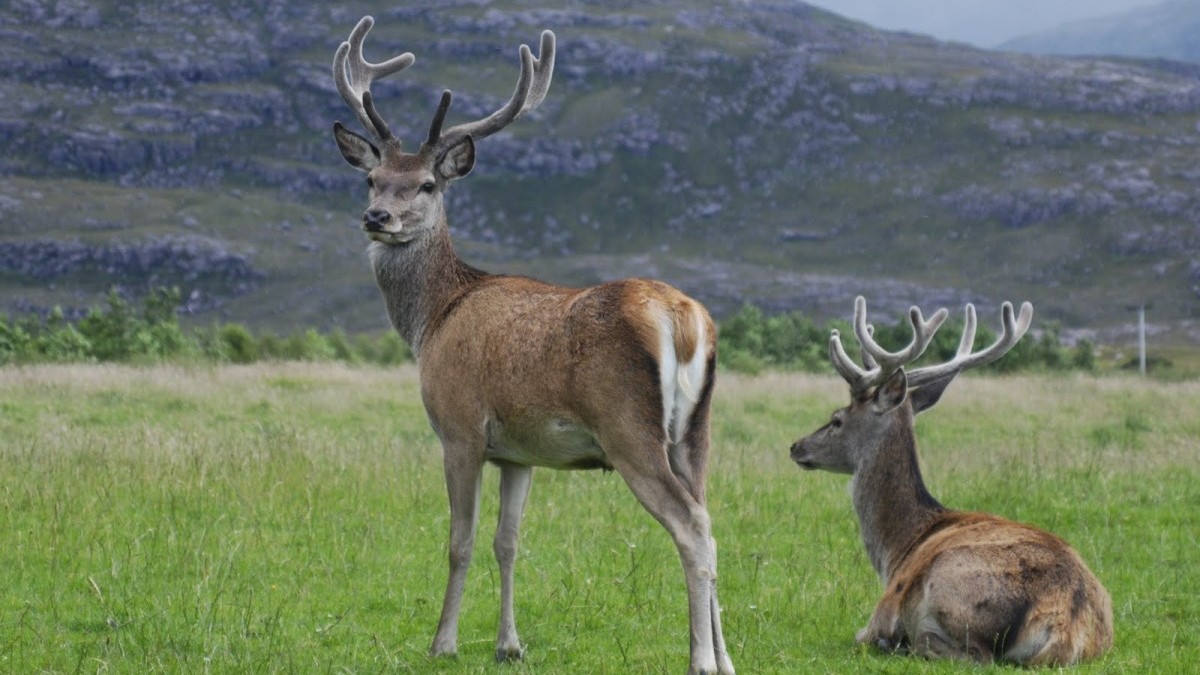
[
  {"x": 894, "y": 508},
  {"x": 419, "y": 280}
]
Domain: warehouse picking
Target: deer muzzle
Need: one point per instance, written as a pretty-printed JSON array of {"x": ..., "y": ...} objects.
[
  {"x": 800, "y": 455},
  {"x": 376, "y": 220}
]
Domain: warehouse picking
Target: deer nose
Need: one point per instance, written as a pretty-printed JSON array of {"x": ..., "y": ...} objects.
[
  {"x": 799, "y": 455},
  {"x": 374, "y": 220}
]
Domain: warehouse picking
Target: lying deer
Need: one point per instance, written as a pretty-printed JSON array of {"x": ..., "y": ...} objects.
[
  {"x": 521, "y": 373},
  {"x": 957, "y": 584}
]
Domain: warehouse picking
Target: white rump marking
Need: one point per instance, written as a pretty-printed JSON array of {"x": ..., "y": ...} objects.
[{"x": 678, "y": 380}]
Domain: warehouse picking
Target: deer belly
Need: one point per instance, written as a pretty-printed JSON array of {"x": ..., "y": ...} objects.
[{"x": 557, "y": 444}]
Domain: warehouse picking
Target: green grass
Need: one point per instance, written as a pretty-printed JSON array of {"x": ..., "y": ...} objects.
[{"x": 291, "y": 518}]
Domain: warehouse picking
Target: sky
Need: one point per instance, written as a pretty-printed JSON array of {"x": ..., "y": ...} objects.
[{"x": 983, "y": 23}]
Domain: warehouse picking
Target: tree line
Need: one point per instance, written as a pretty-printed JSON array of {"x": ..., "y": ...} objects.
[{"x": 749, "y": 341}]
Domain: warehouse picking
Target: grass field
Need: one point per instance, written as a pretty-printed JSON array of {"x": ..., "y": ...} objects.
[{"x": 292, "y": 518}]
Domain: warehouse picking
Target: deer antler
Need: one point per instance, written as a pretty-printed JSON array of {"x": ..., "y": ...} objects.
[
  {"x": 880, "y": 363},
  {"x": 353, "y": 76},
  {"x": 1014, "y": 329},
  {"x": 532, "y": 86}
]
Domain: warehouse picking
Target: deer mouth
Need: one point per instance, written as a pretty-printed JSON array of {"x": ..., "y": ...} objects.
[{"x": 385, "y": 237}]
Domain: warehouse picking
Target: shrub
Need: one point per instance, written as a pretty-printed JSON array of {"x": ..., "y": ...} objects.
[
  {"x": 343, "y": 350},
  {"x": 391, "y": 350},
  {"x": 750, "y": 341},
  {"x": 307, "y": 346},
  {"x": 236, "y": 344},
  {"x": 118, "y": 333},
  {"x": 14, "y": 342}
]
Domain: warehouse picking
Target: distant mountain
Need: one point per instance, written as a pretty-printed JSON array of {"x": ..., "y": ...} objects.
[
  {"x": 763, "y": 152},
  {"x": 1170, "y": 30}
]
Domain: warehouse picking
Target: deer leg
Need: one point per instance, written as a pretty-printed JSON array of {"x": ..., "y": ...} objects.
[
  {"x": 689, "y": 463},
  {"x": 462, "y": 485},
  {"x": 650, "y": 479},
  {"x": 933, "y": 643},
  {"x": 724, "y": 663},
  {"x": 884, "y": 630},
  {"x": 514, "y": 489}
]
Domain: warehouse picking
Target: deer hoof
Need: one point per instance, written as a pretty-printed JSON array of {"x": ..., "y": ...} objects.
[{"x": 510, "y": 654}]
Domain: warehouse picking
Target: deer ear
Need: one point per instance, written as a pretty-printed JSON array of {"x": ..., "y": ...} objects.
[
  {"x": 458, "y": 160},
  {"x": 925, "y": 396},
  {"x": 358, "y": 151},
  {"x": 891, "y": 393}
]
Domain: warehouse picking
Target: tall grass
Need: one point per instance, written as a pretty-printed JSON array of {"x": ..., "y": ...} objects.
[{"x": 292, "y": 518}]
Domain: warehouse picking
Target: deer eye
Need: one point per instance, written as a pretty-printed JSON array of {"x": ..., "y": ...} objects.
[
  {"x": 836, "y": 423},
  {"x": 427, "y": 187},
  {"x": 370, "y": 183}
]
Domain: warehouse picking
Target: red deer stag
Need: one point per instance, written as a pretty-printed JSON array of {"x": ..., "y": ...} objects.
[
  {"x": 957, "y": 584},
  {"x": 521, "y": 373}
]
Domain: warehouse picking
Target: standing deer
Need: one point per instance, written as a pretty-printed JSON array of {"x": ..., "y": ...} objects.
[
  {"x": 957, "y": 584},
  {"x": 521, "y": 373}
]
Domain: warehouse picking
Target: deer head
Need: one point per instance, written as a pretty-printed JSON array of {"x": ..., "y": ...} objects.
[
  {"x": 882, "y": 393},
  {"x": 405, "y": 189}
]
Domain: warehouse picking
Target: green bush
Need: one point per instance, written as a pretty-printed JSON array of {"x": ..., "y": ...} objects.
[
  {"x": 391, "y": 350},
  {"x": 342, "y": 348},
  {"x": 236, "y": 344},
  {"x": 119, "y": 333},
  {"x": 740, "y": 361},
  {"x": 309, "y": 345},
  {"x": 59, "y": 341},
  {"x": 14, "y": 342},
  {"x": 750, "y": 341}
]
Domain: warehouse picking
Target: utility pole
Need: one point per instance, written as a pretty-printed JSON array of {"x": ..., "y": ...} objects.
[
  {"x": 1141, "y": 330},
  {"x": 1142, "y": 339}
]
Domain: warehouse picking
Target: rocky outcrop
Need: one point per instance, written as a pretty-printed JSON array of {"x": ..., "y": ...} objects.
[
  {"x": 191, "y": 260},
  {"x": 730, "y": 130}
]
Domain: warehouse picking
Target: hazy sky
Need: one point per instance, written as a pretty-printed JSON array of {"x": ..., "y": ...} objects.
[{"x": 984, "y": 23}]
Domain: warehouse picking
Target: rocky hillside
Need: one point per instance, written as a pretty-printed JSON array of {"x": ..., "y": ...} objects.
[
  {"x": 1170, "y": 30},
  {"x": 764, "y": 152}
]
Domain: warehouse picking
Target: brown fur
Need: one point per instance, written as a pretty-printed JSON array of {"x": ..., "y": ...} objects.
[
  {"x": 956, "y": 584},
  {"x": 533, "y": 351},
  {"x": 998, "y": 590}
]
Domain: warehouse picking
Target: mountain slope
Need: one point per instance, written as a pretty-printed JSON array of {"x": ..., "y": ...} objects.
[
  {"x": 761, "y": 152},
  {"x": 1168, "y": 30}
]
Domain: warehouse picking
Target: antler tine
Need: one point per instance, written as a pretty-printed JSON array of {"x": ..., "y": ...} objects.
[
  {"x": 532, "y": 85},
  {"x": 543, "y": 72},
  {"x": 435, "y": 128},
  {"x": 1014, "y": 328},
  {"x": 850, "y": 371},
  {"x": 880, "y": 363},
  {"x": 381, "y": 127},
  {"x": 967, "y": 341},
  {"x": 353, "y": 75},
  {"x": 889, "y": 362},
  {"x": 867, "y": 359}
]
